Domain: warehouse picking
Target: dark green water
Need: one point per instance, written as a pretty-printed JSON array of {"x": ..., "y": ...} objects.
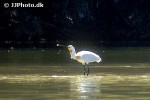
[{"x": 49, "y": 74}]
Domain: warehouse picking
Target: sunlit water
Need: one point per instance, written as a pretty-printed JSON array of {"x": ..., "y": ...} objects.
[{"x": 49, "y": 74}]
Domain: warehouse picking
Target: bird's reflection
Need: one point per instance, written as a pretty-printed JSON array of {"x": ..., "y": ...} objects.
[{"x": 86, "y": 87}]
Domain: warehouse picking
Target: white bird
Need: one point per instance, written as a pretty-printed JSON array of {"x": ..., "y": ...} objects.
[{"x": 84, "y": 57}]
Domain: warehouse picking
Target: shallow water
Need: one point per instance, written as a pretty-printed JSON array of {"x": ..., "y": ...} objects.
[{"x": 45, "y": 74}]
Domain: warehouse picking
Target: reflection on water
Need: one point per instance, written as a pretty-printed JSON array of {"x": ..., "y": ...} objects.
[
  {"x": 108, "y": 87},
  {"x": 86, "y": 87}
]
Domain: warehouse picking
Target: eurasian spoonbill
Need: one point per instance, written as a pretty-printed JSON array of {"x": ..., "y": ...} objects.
[{"x": 84, "y": 57}]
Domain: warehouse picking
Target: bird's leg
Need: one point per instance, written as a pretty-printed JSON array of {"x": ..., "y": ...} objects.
[
  {"x": 84, "y": 69},
  {"x": 88, "y": 70}
]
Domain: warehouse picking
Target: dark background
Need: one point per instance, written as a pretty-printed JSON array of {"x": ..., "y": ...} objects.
[{"x": 96, "y": 22}]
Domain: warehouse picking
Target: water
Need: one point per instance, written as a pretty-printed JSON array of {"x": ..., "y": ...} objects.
[{"x": 49, "y": 74}]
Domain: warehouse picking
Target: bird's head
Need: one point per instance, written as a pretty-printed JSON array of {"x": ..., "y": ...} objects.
[{"x": 70, "y": 48}]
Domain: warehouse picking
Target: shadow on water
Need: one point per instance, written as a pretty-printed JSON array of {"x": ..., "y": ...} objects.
[{"x": 44, "y": 74}]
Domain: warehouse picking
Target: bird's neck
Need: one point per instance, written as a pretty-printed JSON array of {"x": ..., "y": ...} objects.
[{"x": 73, "y": 54}]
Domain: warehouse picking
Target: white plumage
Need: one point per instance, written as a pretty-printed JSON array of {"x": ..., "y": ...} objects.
[{"x": 84, "y": 57}]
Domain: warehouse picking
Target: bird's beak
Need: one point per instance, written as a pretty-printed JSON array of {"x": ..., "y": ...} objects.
[{"x": 69, "y": 49}]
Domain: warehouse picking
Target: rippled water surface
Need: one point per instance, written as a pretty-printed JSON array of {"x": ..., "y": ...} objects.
[{"x": 49, "y": 74}]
